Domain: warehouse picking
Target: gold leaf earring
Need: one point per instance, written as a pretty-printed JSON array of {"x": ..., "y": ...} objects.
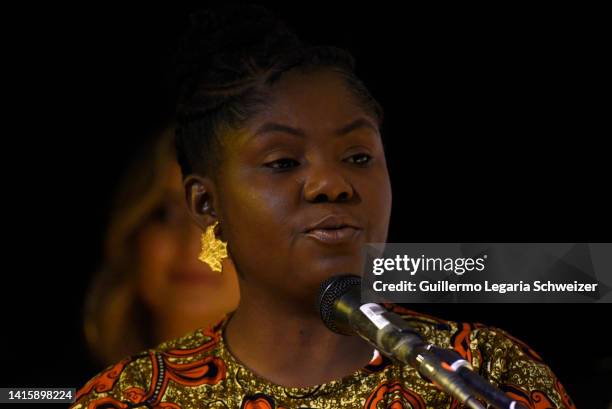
[{"x": 213, "y": 249}]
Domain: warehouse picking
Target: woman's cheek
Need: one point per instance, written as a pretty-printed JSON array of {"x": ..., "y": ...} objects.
[
  {"x": 155, "y": 251},
  {"x": 376, "y": 195},
  {"x": 251, "y": 207}
]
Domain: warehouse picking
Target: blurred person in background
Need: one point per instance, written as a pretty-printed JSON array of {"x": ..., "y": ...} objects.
[{"x": 151, "y": 286}]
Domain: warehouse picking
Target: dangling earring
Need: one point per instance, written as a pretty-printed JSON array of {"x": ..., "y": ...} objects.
[{"x": 213, "y": 249}]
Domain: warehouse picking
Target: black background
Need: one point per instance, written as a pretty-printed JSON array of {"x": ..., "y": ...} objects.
[{"x": 495, "y": 132}]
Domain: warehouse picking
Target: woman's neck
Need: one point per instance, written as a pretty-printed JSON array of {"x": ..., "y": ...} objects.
[{"x": 288, "y": 345}]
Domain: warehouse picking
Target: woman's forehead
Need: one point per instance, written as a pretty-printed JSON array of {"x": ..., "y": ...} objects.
[
  {"x": 313, "y": 102},
  {"x": 295, "y": 89}
]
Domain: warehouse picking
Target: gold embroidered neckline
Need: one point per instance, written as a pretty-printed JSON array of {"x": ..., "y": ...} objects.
[{"x": 233, "y": 361}]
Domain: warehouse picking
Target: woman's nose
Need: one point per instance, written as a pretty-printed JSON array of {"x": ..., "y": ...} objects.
[{"x": 324, "y": 183}]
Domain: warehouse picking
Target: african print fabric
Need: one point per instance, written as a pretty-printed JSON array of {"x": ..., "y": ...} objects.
[{"x": 198, "y": 371}]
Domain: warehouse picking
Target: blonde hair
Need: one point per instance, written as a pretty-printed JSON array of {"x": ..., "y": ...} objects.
[{"x": 117, "y": 323}]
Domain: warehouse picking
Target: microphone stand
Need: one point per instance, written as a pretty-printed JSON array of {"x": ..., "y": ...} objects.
[
  {"x": 400, "y": 342},
  {"x": 484, "y": 389},
  {"x": 339, "y": 304},
  {"x": 445, "y": 367}
]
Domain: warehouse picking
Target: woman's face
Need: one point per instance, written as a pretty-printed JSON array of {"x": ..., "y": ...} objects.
[
  {"x": 172, "y": 281},
  {"x": 314, "y": 152}
]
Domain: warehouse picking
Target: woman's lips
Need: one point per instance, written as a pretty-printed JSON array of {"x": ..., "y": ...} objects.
[{"x": 334, "y": 236}]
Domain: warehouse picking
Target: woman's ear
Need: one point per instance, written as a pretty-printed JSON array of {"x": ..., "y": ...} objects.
[{"x": 201, "y": 200}]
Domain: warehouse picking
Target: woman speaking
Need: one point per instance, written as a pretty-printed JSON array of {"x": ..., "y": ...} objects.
[{"x": 284, "y": 170}]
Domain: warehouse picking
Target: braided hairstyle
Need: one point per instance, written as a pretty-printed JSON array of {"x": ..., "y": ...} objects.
[{"x": 227, "y": 61}]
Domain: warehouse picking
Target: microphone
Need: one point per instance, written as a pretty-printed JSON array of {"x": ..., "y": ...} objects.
[{"x": 340, "y": 307}]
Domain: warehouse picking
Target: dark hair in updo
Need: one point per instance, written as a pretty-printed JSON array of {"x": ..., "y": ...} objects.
[{"x": 226, "y": 62}]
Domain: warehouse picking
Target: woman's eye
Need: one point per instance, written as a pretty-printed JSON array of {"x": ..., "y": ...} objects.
[
  {"x": 286, "y": 163},
  {"x": 360, "y": 158},
  {"x": 283, "y": 163}
]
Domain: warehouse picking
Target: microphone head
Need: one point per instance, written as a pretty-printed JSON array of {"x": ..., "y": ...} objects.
[{"x": 330, "y": 292}]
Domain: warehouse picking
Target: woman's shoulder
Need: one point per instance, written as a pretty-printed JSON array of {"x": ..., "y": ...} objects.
[
  {"x": 464, "y": 337},
  {"x": 141, "y": 378},
  {"x": 505, "y": 360}
]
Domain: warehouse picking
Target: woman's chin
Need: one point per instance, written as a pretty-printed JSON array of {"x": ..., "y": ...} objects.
[
  {"x": 332, "y": 267},
  {"x": 308, "y": 284}
]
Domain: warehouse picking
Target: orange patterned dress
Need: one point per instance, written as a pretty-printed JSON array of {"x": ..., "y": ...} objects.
[{"x": 198, "y": 371}]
